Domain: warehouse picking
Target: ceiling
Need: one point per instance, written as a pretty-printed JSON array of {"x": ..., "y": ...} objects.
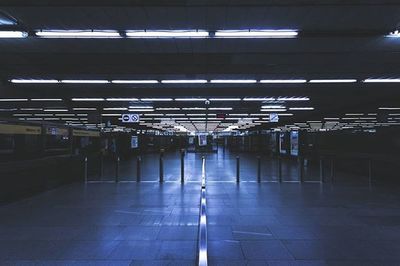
[{"x": 337, "y": 40}]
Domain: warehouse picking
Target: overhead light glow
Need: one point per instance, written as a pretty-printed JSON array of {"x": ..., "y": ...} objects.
[
  {"x": 156, "y": 99},
  {"x": 122, "y": 99},
  {"x": 13, "y": 100},
  {"x": 256, "y": 34},
  {"x": 394, "y": 34},
  {"x": 84, "y": 109},
  {"x": 190, "y": 99},
  {"x": 293, "y": 99},
  {"x": 184, "y": 81},
  {"x": 233, "y": 81},
  {"x": 34, "y": 81},
  {"x": 272, "y": 106},
  {"x": 146, "y": 81},
  {"x": 168, "y": 108},
  {"x": 167, "y": 34},
  {"x": 47, "y": 100},
  {"x": 301, "y": 108},
  {"x": 273, "y": 110},
  {"x": 258, "y": 99},
  {"x": 87, "y": 99},
  {"x": 115, "y": 109},
  {"x": 282, "y": 81},
  {"x": 389, "y": 108},
  {"x": 13, "y": 34},
  {"x": 225, "y": 99},
  {"x": 75, "y": 34},
  {"x": 220, "y": 108},
  {"x": 333, "y": 81},
  {"x": 84, "y": 81},
  {"x": 381, "y": 80}
]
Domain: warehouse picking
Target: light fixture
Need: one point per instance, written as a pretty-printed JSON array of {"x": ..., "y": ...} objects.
[
  {"x": 389, "y": 108},
  {"x": 167, "y": 34},
  {"x": 13, "y": 34},
  {"x": 193, "y": 108},
  {"x": 393, "y": 34},
  {"x": 220, "y": 108},
  {"x": 146, "y": 81},
  {"x": 282, "y": 81},
  {"x": 115, "y": 109},
  {"x": 46, "y": 100},
  {"x": 232, "y": 81},
  {"x": 272, "y": 106},
  {"x": 156, "y": 99},
  {"x": 75, "y": 34},
  {"x": 333, "y": 81},
  {"x": 13, "y": 100},
  {"x": 34, "y": 81},
  {"x": 55, "y": 110},
  {"x": 225, "y": 99},
  {"x": 184, "y": 81},
  {"x": 258, "y": 99},
  {"x": 301, "y": 108},
  {"x": 84, "y": 81},
  {"x": 390, "y": 80},
  {"x": 87, "y": 99},
  {"x": 141, "y": 106},
  {"x": 190, "y": 99},
  {"x": 293, "y": 99},
  {"x": 122, "y": 99},
  {"x": 256, "y": 33},
  {"x": 84, "y": 109},
  {"x": 273, "y": 110}
]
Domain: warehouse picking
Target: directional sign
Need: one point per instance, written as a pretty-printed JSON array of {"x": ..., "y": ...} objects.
[
  {"x": 130, "y": 118},
  {"x": 273, "y": 117}
]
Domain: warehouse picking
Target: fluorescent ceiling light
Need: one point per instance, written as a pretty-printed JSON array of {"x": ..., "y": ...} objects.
[
  {"x": 84, "y": 81},
  {"x": 55, "y": 110},
  {"x": 115, "y": 108},
  {"x": 184, "y": 81},
  {"x": 167, "y": 108},
  {"x": 256, "y": 33},
  {"x": 333, "y": 81},
  {"x": 47, "y": 100},
  {"x": 87, "y": 99},
  {"x": 258, "y": 99},
  {"x": 141, "y": 107},
  {"x": 141, "y": 110},
  {"x": 293, "y": 99},
  {"x": 34, "y": 81},
  {"x": 273, "y": 110},
  {"x": 84, "y": 109},
  {"x": 156, "y": 99},
  {"x": 13, "y": 100},
  {"x": 278, "y": 81},
  {"x": 301, "y": 108},
  {"x": 389, "y": 108},
  {"x": 147, "y": 81},
  {"x": 110, "y": 114},
  {"x": 167, "y": 34},
  {"x": 381, "y": 80},
  {"x": 193, "y": 108},
  {"x": 233, "y": 81},
  {"x": 220, "y": 108},
  {"x": 272, "y": 106},
  {"x": 286, "y": 114},
  {"x": 225, "y": 99},
  {"x": 13, "y": 34},
  {"x": 190, "y": 99},
  {"x": 78, "y": 34},
  {"x": 122, "y": 99}
]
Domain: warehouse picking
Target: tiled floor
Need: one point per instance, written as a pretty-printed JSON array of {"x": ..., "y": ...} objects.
[{"x": 248, "y": 224}]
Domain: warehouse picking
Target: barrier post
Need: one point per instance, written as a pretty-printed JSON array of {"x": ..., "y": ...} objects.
[
  {"x": 259, "y": 169},
  {"x": 237, "y": 169},
  {"x": 138, "y": 168},
  {"x": 182, "y": 166},
  {"x": 117, "y": 170},
  {"x": 161, "y": 165}
]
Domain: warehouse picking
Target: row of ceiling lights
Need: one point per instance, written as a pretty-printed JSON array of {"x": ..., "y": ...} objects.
[
  {"x": 202, "y": 81},
  {"x": 157, "y": 99},
  {"x": 150, "y": 34}
]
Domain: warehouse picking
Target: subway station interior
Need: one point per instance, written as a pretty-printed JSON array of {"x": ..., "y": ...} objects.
[{"x": 225, "y": 132}]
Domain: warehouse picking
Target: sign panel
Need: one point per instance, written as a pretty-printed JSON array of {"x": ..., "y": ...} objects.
[
  {"x": 20, "y": 129},
  {"x": 273, "y": 117},
  {"x": 85, "y": 133},
  {"x": 130, "y": 118},
  {"x": 294, "y": 143},
  {"x": 203, "y": 140},
  {"x": 55, "y": 131},
  {"x": 134, "y": 142}
]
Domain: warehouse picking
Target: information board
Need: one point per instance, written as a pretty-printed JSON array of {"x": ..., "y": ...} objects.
[{"x": 134, "y": 142}]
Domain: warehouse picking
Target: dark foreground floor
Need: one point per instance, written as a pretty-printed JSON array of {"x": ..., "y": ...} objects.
[{"x": 249, "y": 224}]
